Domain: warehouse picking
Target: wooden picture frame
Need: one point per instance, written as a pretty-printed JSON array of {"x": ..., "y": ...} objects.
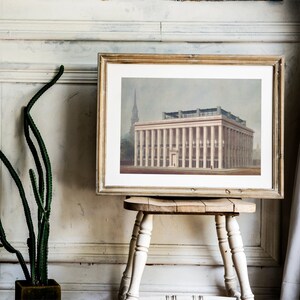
[{"x": 190, "y": 125}]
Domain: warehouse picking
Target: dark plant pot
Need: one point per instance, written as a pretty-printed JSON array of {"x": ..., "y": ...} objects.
[{"x": 25, "y": 291}]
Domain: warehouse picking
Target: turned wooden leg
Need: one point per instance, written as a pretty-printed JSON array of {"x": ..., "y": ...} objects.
[
  {"x": 229, "y": 274},
  {"x": 140, "y": 256},
  {"x": 238, "y": 256},
  {"x": 128, "y": 270}
]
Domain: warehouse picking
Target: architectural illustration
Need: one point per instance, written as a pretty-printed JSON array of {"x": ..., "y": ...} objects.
[{"x": 210, "y": 138}]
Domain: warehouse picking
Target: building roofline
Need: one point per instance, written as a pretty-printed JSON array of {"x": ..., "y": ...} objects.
[
  {"x": 182, "y": 114},
  {"x": 185, "y": 121}
]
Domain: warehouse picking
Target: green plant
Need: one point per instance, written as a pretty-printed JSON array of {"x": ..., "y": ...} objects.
[{"x": 42, "y": 189}]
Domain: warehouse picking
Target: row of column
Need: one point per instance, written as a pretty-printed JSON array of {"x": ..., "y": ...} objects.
[
  {"x": 238, "y": 148},
  {"x": 192, "y": 147}
]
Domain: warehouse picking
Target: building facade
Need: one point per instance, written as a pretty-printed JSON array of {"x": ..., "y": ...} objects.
[{"x": 202, "y": 138}]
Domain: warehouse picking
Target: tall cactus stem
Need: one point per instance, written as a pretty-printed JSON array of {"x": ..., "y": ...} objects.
[
  {"x": 32, "y": 241},
  {"x": 8, "y": 247},
  {"x": 42, "y": 189}
]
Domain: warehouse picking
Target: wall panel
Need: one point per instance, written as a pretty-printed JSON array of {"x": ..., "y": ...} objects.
[{"x": 90, "y": 234}]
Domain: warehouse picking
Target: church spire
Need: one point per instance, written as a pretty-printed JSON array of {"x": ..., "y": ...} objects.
[{"x": 135, "y": 112}]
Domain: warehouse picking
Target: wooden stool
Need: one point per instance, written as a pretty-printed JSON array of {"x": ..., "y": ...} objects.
[{"x": 224, "y": 209}]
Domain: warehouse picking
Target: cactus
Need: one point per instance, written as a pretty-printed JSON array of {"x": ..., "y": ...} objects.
[{"x": 42, "y": 190}]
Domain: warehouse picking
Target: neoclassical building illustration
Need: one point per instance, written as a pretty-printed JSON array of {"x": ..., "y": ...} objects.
[{"x": 202, "y": 138}]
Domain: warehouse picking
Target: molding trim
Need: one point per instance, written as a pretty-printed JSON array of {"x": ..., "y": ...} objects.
[
  {"x": 77, "y": 30},
  {"x": 80, "y": 30},
  {"x": 25, "y": 73},
  {"x": 231, "y": 32},
  {"x": 158, "y": 254}
]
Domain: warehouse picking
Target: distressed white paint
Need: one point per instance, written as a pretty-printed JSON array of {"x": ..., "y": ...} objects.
[
  {"x": 150, "y": 31},
  {"x": 90, "y": 234}
]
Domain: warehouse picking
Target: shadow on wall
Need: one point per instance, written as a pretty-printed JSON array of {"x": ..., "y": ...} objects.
[{"x": 78, "y": 147}]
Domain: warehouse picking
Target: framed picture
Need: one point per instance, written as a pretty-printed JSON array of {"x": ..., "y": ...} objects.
[{"x": 190, "y": 125}]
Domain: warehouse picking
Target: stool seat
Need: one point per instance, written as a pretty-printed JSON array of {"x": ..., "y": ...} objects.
[
  {"x": 204, "y": 206},
  {"x": 225, "y": 211}
]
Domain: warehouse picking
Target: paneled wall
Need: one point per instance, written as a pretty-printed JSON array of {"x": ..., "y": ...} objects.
[{"x": 90, "y": 234}]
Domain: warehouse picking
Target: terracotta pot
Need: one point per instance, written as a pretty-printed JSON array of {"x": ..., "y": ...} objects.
[{"x": 25, "y": 291}]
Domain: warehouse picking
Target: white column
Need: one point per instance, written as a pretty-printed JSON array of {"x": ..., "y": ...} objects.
[
  {"x": 152, "y": 147},
  {"x": 158, "y": 147},
  {"x": 220, "y": 148},
  {"x": 244, "y": 150},
  {"x": 190, "y": 147},
  {"x": 240, "y": 148},
  {"x": 177, "y": 145},
  {"x": 204, "y": 147},
  {"x": 164, "y": 147},
  {"x": 237, "y": 149},
  {"x": 147, "y": 143},
  {"x": 197, "y": 146},
  {"x": 212, "y": 146},
  {"x": 229, "y": 147},
  {"x": 141, "y": 147},
  {"x": 239, "y": 135},
  {"x": 225, "y": 138},
  {"x": 183, "y": 146},
  {"x": 177, "y": 139},
  {"x": 136, "y": 136},
  {"x": 234, "y": 148},
  {"x": 170, "y": 145},
  {"x": 249, "y": 151}
]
